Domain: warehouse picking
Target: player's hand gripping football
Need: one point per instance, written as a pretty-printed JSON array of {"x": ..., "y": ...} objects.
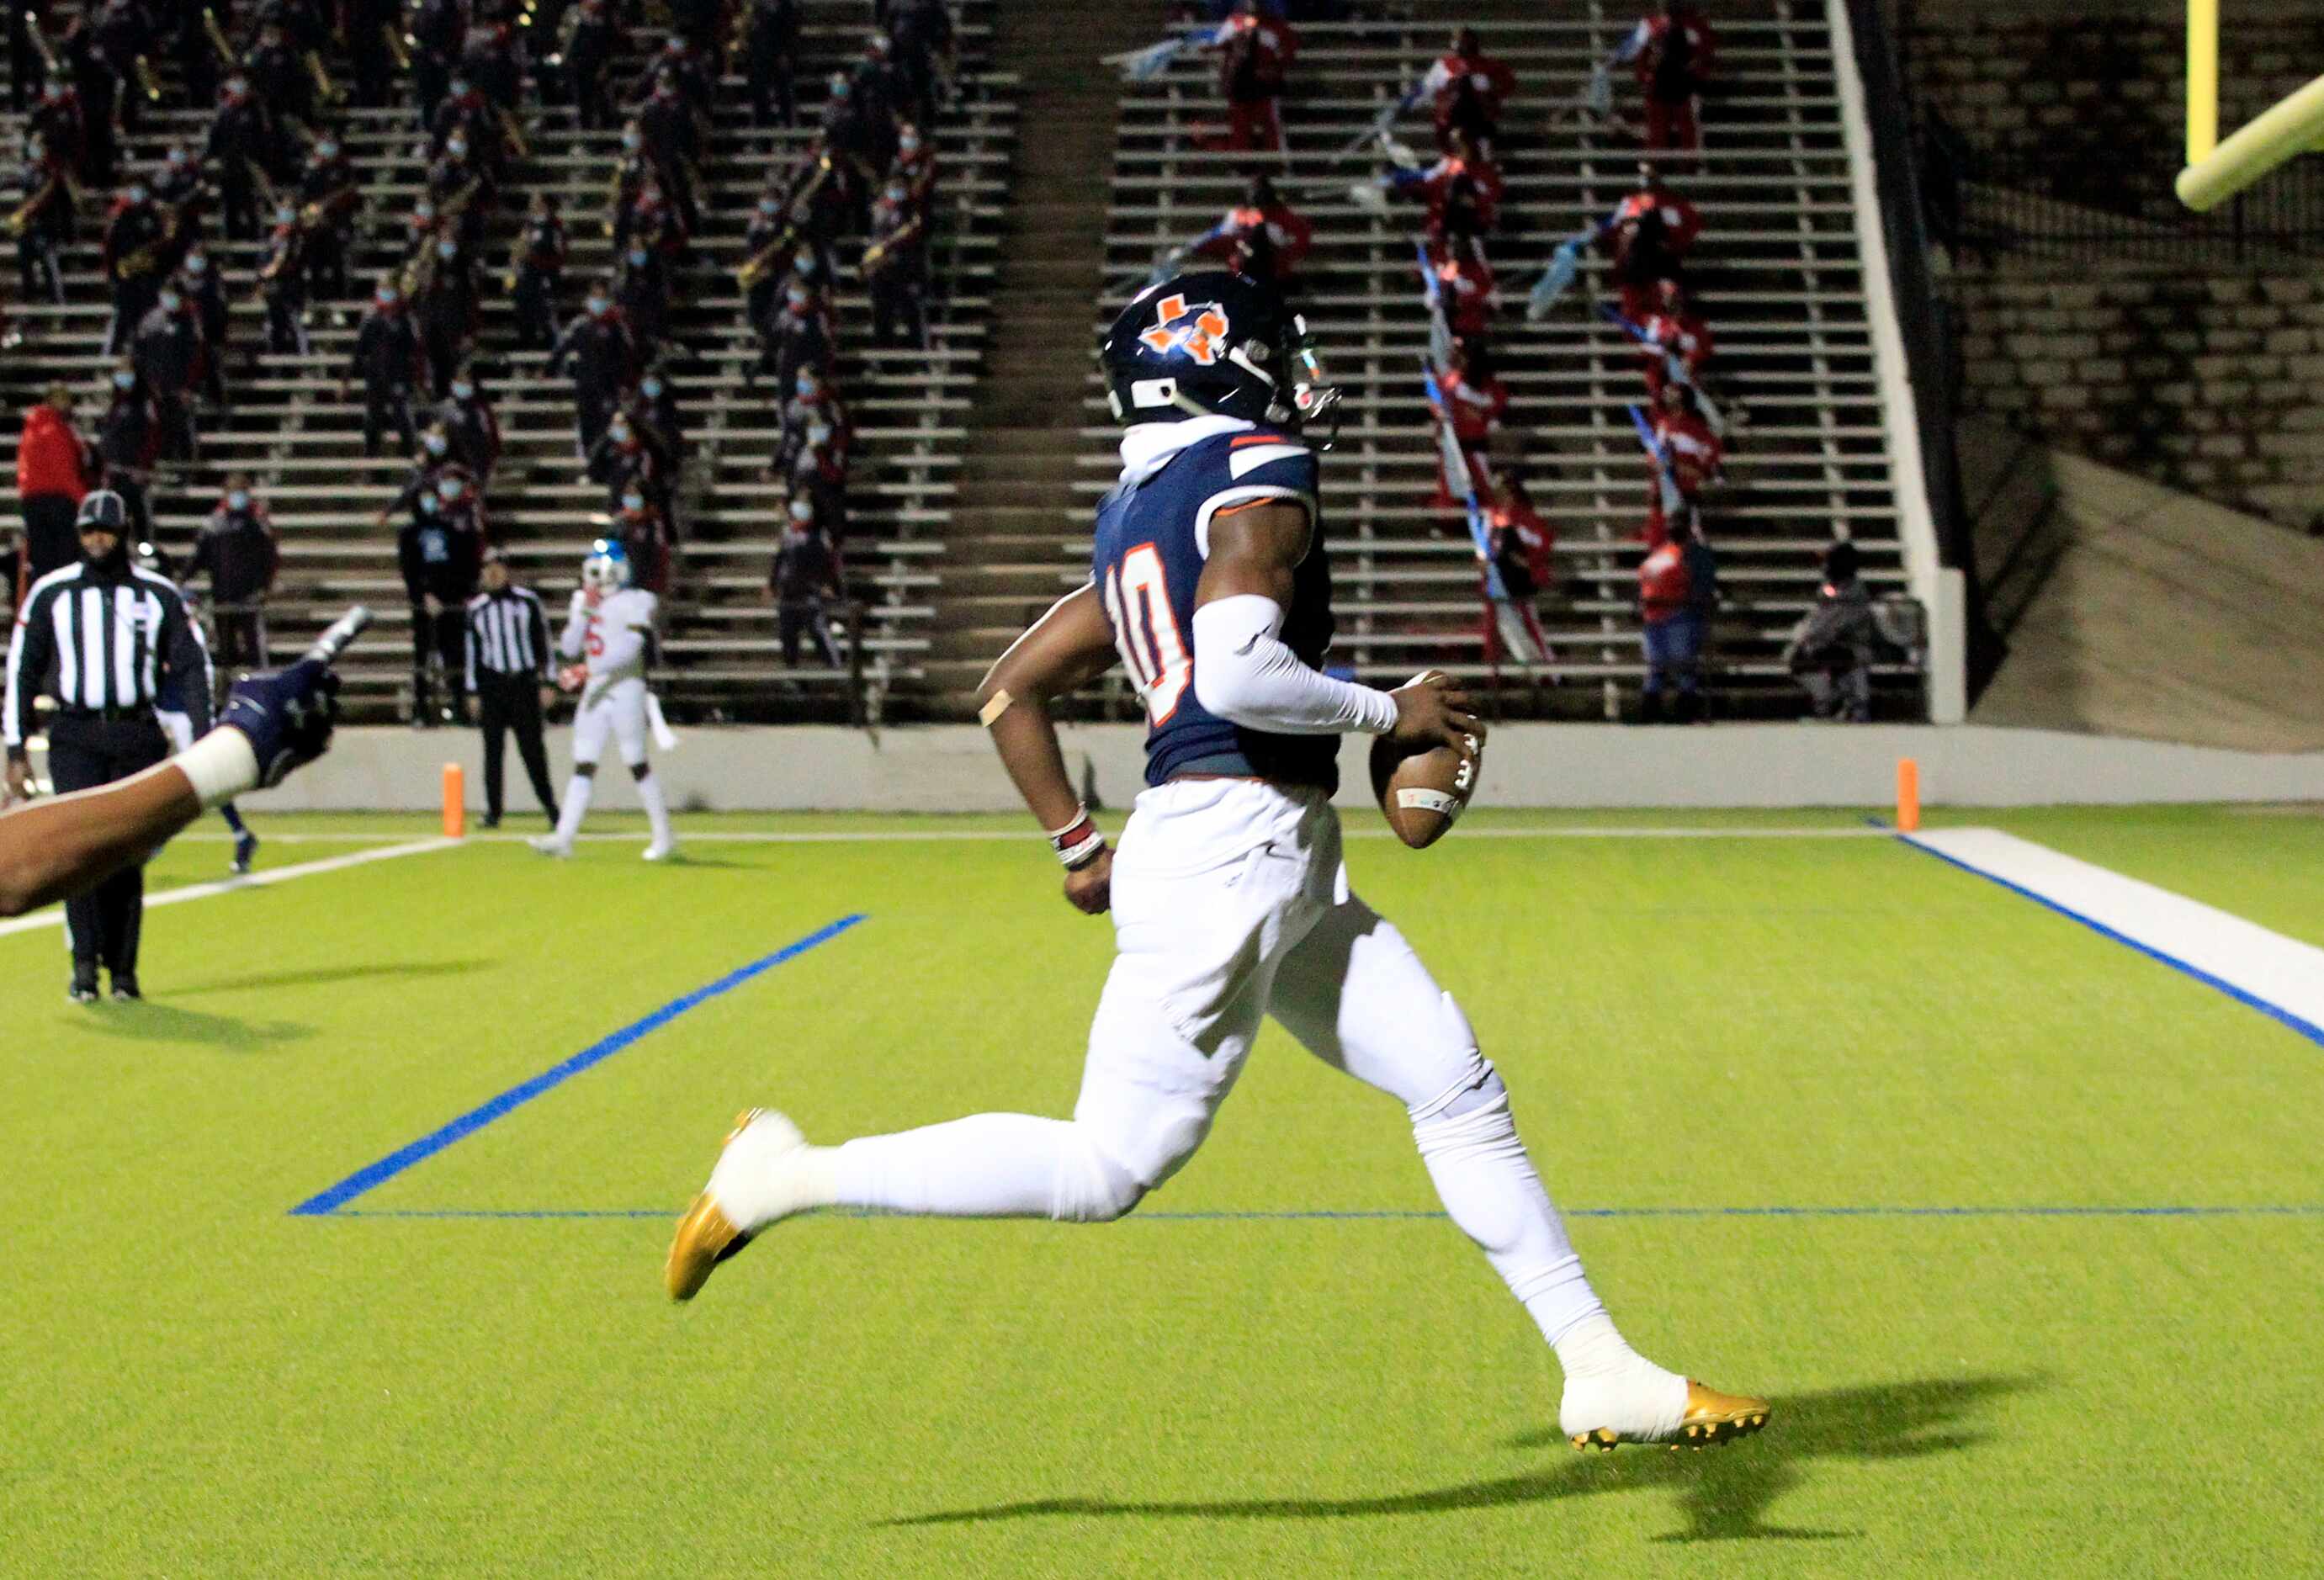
[
  {"x": 1089, "y": 889},
  {"x": 1430, "y": 714}
]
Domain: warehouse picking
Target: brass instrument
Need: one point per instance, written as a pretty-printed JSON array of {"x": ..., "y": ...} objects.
[
  {"x": 514, "y": 132},
  {"x": 762, "y": 262},
  {"x": 44, "y": 48},
  {"x": 218, "y": 41},
  {"x": 19, "y": 221},
  {"x": 451, "y": 208},
  {"x": 398, "y": 46},
  {"x": 148, "y": 258},
  {"x": 326, "y": 92},
  {"x": 147, "y": 80},
  {"x": 264, "y": 183},
  {"x": 420, "y": 272}
]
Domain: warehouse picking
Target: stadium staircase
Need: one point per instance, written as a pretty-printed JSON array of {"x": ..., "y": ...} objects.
[
  {"x": 1777, "y": 272},
  {"x": 302, "y": 443}
]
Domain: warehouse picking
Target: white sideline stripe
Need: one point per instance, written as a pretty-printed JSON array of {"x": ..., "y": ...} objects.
[
  {"x": 944, "y": 836},
  {"x": 2279, "y": 976},
  {"x": 55, "y": 914}
]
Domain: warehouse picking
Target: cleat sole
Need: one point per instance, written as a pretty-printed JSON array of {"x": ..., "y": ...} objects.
[{"x": 706, "y": 1235}]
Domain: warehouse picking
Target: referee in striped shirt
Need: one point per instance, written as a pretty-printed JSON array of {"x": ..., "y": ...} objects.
[
  {"x": 508, "y": 680},
  {"x": 105, "y": 639}
]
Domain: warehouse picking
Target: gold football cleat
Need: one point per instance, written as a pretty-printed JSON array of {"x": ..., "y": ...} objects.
[
  {"x": 1711, "y": 1419},
  {"x": 706, "y": 1235}
]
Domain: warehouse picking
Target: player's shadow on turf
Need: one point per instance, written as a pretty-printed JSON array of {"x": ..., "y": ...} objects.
[
  {"x": 329, "y": 975},
  {"x": 149, "y": 1022},
  {"x": 1725, "y": 1494}
]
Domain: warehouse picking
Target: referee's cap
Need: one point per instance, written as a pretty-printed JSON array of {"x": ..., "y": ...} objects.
[{"x": 102, "y": 511}]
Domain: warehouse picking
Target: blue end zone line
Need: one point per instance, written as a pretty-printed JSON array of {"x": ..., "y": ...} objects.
[
  {"x": 2276, "y": 1012},
  {"x": 667, "y": 1214},
  {"x": 327, "y": 1202}
]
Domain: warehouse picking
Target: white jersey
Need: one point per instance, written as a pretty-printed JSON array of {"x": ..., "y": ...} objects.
[{"x": 612, "y": 636}]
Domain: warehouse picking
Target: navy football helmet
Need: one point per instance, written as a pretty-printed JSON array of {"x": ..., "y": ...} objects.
[{"x": 1215, "y": 343}]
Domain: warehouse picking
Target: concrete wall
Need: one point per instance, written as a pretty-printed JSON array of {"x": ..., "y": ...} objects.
[{"x": 952, "y": 768}]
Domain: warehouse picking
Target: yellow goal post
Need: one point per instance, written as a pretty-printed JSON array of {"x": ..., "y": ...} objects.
[{"x": 2217, "y": 170}]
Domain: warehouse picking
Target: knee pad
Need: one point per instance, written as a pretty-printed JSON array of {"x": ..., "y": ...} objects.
[
  {"x": 1091, "y": 1186},
  {"x": 584, "y": 770},
  {"x": 1478, "y": 1090},
  {"x": 641, "y": 771}
]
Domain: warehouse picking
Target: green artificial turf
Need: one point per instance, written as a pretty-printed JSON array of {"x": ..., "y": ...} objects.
[{"x": 201, "y": 1383}]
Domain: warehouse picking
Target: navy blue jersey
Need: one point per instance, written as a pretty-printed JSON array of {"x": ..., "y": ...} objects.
[{"x": 1152, "y": 537}]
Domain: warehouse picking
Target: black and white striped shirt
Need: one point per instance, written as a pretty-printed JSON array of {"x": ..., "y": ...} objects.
[
  {"x": 103, "y": 641},
  {"x": 508, "y": 634}
]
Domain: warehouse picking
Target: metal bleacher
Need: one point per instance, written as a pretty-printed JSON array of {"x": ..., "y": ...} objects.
[
  {"x": 1777, "y": 272},
  {"x": 303, "y": 444}
]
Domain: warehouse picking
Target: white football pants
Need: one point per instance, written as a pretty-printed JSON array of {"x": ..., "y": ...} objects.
[
  {"x": 619, "y": 710},
  {"x": 1230, "y": 903}
]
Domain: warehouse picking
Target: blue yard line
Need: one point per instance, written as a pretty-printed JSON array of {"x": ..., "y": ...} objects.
[
  {"x": 2313, "y": 1210},
  {"x": 2273, "y": 1011},
  {"x": 476, "y": 1118}
]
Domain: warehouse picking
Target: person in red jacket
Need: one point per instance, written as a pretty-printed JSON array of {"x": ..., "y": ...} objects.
[
  {"x": 1464, "y": 279},
  {"x": 1676, "y": 342},
  {"x": 55, "y": 467},
  {"x": 1672, "y": 52},
  {"x": 1260, "y": 236},
  {"x": 1649, "y": 236},
  {"x": 1462, "y": 191},
  {"x": 1255, "y": 56},
  {"x": 1475, "y": 400},
  {"x": 1687, "y": 460},
  {"x": 1469, "y": 88},
  {"x": 1678, "y": 592},
  {"x": 1523, "y": 548}
]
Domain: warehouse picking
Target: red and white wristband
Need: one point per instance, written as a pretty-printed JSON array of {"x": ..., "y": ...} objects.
[{"x": 1079, "y": 843}]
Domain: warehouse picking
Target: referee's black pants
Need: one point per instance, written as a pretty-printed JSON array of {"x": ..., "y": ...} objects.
[
  {"x": 83, "y": 752},
  {"x": 505, "y": 704}
]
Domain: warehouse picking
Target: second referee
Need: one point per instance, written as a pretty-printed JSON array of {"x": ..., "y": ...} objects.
[
  {"x": 508, "y": 657},
  {"x": 105, "y": 639}
]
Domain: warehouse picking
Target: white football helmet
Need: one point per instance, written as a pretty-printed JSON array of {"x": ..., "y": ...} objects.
[{"x": 607, "y": 568}]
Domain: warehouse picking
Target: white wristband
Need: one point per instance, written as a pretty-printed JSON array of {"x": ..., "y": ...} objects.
[{"x": 220, "y": 766}]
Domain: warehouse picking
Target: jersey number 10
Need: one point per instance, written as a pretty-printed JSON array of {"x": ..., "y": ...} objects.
[{"x": 1145, "y": 631}]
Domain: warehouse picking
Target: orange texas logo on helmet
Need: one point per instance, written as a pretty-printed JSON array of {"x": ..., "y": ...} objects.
[{"x": 1200, "y": 331}]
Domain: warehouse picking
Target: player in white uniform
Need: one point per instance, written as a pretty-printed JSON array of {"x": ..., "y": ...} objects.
[
  {"x": 608, "y": 639},
  {"x": 1230, "y": 899}
]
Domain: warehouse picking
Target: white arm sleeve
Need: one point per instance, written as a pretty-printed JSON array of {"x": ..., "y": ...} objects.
[
  {"x": 1244, "y": 674},
  {"x": 577, "y": 622}
]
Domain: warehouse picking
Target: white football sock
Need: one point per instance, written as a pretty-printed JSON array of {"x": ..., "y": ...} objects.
[
  {"x": 988, "y": 1165},
  {"x": 657, "y": 807},
  {"x": 575, "y": 806}
]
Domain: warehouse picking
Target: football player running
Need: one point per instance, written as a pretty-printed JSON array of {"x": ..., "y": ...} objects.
[
  {"x": 1229, "y": 898},
  {"x": 607, "y": 641}
]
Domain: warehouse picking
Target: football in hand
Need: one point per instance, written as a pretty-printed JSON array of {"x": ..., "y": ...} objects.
[{"x": 1423, "y": 792}]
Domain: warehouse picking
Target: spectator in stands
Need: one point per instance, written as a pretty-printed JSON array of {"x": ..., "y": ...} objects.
[
  {"x": 206, "y": 293},
  {"x": 603, "y": 357},
  {"x": 1648, "y": 235},
  {"x": 171, "y": 360},
  {"x": 591, "y": 38},
  {"x": 804, "y": 583},
  {"x": 642, "y": 291},
  {"x": 438, "y": 552},
  {"x": 329, "y": 191},
  {"x": 1831, "y": 651},
  {"x": 58, "y": 121},
  {"x": 240, "y": 146},
  {"x": 1261, "y": 236},
  {"x": 853, "y": 146},
  {"x": 819, "y": 471},
  {"x": 763, "y": 245},
  {"x": 283, "y": 282},
  {"x": 1475, "y": 402},
  {"x": 1675, "y": 342},
  {"x": 416, "y": 497},
  {"x": 491, "y": 60},
  {"x": 1255, "y": 56},
  {"x": 915, "y": 165},
  {"x": 438, "y": 30},
  {"x": 895, "y": 269},
  {"x": 671, "y": 136},
  {"x": 928, "y": 52},
  {"x": 1678, "y": 589},
  {"x": 472, "y": 431},
  {"x": 388, "y": 357},
  {"x": 129, "y": 444},
  {"x": 181, "y": 196},
  {"x": 770, "y": 30},
  {"x": 1523, "y": 545},
  {"x": 1673, "y": 53},
  {"x": 688, "y": 67},
  {"x": 463, "y": 192},
  {"x": 374, "y": 41},
  {"x": 1467, "y": 88},
  {"x": 797, "y": 338},
  {"x": 133, "y": 260},
  {"x": 238, "y": 552},
  {"x": 446, "y": 308},
  {"x": 655, "y": 412},
  {"x": 1687, "y": 462},
  {"x": 44, "y": 221},
  {"x": 55, "y": 469},
  {"x": 96, "y": 84},
  {"x": 537, "y": 270},
  {"x": 643, "y": 526}
]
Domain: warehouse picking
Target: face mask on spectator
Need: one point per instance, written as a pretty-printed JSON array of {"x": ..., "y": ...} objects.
[
  {"x": 384, "y": 296},
  {"x": 896, "y": 195},
  {"x": 819, "y": 435},
  {"x": 437, "y": 444},
  {"x": 449, "y": 488},
  {"x": 122, "y": 378},
  {"x": 804, "y": 262},
  {"x": 632, "y": 141},
  {"x": 652, "y": 386},
  {"x": 637, "y": 257},
  {"x": 286, "y": 214},
  {"x": 619, "y": 432},
  {"x": 768, "y": 205},
  {"x": 196, "y": 264},
  {"x": 137, "y": 192},
  {"x": 177, "y": 158},
  {"x": 909, "y": 142},
  {"x": 633, "y": 501},
  {"x": 805, "y": 386},
  {"x": 801, "y": 512},
  {"x": 168, "y": 301},
  {"x": 446, "y": 249},
  {"x": 457, "y": 148},
  {"x": 237, "y": 501},
  {"x": 598, "y": 305},
  {"x": 462, "y": 390},
  {"x": 327, "y": 148},
  {"x": 796, "y": 301}
]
